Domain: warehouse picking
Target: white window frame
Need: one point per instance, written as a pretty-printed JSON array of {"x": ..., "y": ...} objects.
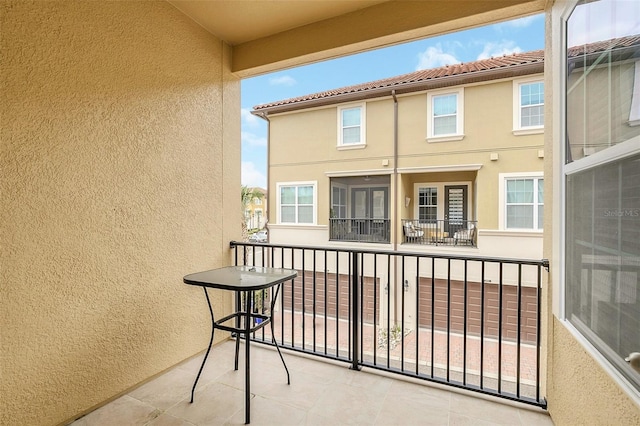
[
  {"x": 459, "y": 133},
  {"x": 518, "y": 129},
  {"x": 363, "y": 127},
  {"x": 280, "y": 185},
  {"x": 502, "y": 200}
]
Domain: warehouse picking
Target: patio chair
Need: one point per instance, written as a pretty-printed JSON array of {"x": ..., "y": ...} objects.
[
  {"x": 411, "y": 233},
  {"x": 466, "y": 236}
]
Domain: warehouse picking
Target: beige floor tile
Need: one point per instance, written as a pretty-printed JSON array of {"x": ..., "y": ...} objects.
[
  {"x": 456, "y": 419},
  {"x": 535, "y": 417},
  {"x": 123, "y": 411},
  {"x": 414, "y": 404},
  {"x": 167, "y": 420},
  {"x": 213, "y": 405},
  {"x": 269, "y": 412},
  {"x": 347, "y": 404},
  {"x": 483, "y": 409},
  {"x": 166, "y": 390}
]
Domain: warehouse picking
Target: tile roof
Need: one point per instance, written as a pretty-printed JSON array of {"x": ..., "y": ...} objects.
[
  {"x": 484, "y": 69},
  {"x": 496, "y": 63}
]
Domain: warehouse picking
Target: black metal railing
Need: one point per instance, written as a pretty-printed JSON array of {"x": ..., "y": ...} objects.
[
  {"x": 359, "y": 230},
  {"x": 468, "y": 322},
  {"x": 440, "y": 232}
]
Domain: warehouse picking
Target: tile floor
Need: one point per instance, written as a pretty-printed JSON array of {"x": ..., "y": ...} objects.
[{"x": 321, "y": 393}]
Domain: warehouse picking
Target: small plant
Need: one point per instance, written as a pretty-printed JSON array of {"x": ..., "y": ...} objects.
[{"x": 394, "y": 337}]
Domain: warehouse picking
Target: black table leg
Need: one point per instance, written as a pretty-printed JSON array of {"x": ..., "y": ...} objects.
[
  {"x": 273, "y": 335},
  {"x": 247, "y": 359},
  {"x": 213, "y": 329}
]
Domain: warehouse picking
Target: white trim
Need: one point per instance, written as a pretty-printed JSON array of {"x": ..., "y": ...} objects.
[
  {"x": 297, "y": 226},
  {"x": 363, "y": 126},
  {"x": 459, "y": 134},
  {"x": 518, "y": 129},
  {"x": 435, "y": 169},
  {"x": 369, "y": 172},
  {"x": 502, "y": 202},
  {"x": 612, "y": 153},
  {"x": 634, "y": 113},
  {"x": 436, "y": 139},
  {"x": 531, "y": 131},
  {"x": 352, "y": 146},
  {"x": 314, "y": 184}
]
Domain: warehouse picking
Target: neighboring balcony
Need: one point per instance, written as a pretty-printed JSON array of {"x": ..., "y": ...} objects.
[
  {"x": 359, "y": 230},
  {"x": 440, "y": 232}
]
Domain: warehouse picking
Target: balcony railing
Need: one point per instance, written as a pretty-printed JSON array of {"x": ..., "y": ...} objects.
[
  {"x": 467, "y": 322},
  {"x": 440, "y": 232},
  {"x": 359, "y": 230}
]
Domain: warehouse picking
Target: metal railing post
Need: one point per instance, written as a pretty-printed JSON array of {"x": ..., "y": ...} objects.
[{"x": 355, "y": 313}]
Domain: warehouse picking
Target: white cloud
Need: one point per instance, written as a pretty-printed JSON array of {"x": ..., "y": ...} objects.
[
  {"x": 435, "y": 57},
  {"x": 248, "y": 118},
  {"x": 251, "y": 176},
  {"x": 284, "y": 80},
  {"x": 518, "y": 23},
  {"x": 251, "y": 139},
  {"x": 504, "y": 47}
]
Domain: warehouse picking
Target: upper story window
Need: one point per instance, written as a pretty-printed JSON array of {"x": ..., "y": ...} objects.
[
  {"x": 297, "y": 202},
  {"x": 445, "y": 115},
  {"x": 522, "y": 201},
  {"x": 528, "y": 101},
  {"x": 257, "y": 201},
  {"x": 351, "y": 126}
]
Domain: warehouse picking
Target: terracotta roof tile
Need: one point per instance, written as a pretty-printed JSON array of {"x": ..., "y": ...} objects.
[{"x": 469, "y": 69}]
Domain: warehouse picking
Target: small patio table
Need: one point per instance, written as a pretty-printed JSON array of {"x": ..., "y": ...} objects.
[{"x": 243, "y": 280}]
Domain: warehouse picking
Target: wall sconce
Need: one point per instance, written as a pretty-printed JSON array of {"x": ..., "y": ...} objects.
[{"x": 407, "y": 201}]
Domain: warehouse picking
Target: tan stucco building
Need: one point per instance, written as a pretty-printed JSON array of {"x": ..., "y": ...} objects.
[
  {"x": 120, "y": 159},
  {"x": 447, "y": 160}
]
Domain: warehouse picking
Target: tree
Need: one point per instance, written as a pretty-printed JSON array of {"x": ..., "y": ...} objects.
[{"x": 248, "y": 194}]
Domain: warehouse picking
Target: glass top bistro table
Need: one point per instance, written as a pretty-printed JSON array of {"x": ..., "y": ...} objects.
[{"x": 244, "y": 280}]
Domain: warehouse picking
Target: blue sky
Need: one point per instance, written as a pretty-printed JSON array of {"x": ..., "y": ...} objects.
[{"x": 516, "y": 36}]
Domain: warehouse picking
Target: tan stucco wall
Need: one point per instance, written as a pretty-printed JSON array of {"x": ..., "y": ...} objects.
[
  {"x": 578, "y": 390},
  {"x": 115, "y": 184}
]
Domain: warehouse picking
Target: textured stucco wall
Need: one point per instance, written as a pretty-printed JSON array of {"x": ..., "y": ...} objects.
[
  {"x": 115, "y": 183},
  {"x": 580, "y": 392}
]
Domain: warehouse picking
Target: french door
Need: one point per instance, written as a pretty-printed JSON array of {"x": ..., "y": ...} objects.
[{"x": 455, "y": 207}]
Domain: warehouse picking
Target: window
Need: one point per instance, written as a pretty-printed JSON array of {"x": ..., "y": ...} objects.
[
  {"x": 427, "y": 204},
  {"x": 524, "y": 203},
  {"x": 338, "y": 202},
  {"x": 601, "y": 191},
  {"x": 257, "y": 201},
  {"x": 521, "y": 201},
  {"x": 528, "y": 101},
  {"x": 351, "y": 126},
  {"x": 445, "y": 112},
  {"x": 297, "y": 203}
]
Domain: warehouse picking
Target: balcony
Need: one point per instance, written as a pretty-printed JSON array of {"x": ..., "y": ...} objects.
[
  {"x": 321, "y": 392},
  {"x": 440, "y": 232},
  {"x": 359, "y": 230},
  {"x": 370, "y": 337}
]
